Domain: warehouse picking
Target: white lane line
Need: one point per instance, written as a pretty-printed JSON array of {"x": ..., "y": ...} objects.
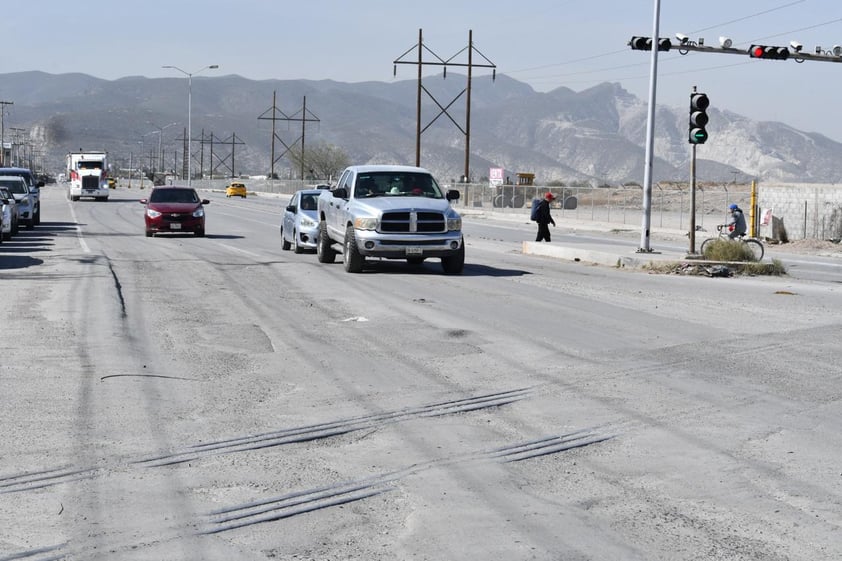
[
  {"x": 233, "y": 249},
  {"x": 79, "y": 235}
]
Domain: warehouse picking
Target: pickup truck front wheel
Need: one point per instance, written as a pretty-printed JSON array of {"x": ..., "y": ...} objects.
[
  {"x": 351, "y": 256},
  {"x": 324, "y": 252},
  {"x": 453, "y": 264}
]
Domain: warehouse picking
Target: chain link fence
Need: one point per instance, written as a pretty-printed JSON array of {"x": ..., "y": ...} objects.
[{"x": 670, "y": 205}]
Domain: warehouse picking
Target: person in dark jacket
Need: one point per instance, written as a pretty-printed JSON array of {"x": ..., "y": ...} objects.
[
  {"x": 545, "y": 218},
  {"x": 736, "y": 222}
]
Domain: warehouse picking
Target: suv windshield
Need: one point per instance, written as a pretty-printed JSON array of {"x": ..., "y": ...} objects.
[
  {"x": 400, "y": 184},
  {"x": 23, "y": 174},
  {"x": 14, "y": 186}
]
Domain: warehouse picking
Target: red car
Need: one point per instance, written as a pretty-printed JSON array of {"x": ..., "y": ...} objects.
[{"x": 174, "y": 210}]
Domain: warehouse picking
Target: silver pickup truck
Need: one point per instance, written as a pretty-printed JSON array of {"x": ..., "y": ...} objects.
[{"x": 390, "y": 212}]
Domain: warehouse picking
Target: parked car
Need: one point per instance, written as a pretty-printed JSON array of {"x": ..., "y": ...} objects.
[
  {"x": 23, "y": 197},
  {"x": 10, "y": 214},
  {"x": 174, "y": 209},
  {"x": 300, "y": 222},
  {"x": 236, "y": 189},
  {"x": 34, "y": 185}
]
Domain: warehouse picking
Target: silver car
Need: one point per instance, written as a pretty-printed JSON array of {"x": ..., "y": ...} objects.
[
  {"x": 19, "y": 189},
  {"x": 11, "y": 216},
  {"x": 300, "y": 222}
]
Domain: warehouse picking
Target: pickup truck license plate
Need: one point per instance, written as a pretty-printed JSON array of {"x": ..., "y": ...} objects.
[
  {"x": 414, "y": 251},
  {"x": 175, "y": 226}
]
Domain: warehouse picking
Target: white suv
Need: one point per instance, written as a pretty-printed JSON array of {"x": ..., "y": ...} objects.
[
  {"x": 23, "y": 196},
  {"x": 34, "y": 188}
]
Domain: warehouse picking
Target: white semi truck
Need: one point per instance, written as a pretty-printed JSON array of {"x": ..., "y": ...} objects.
[{"x": 87, "y": 173}]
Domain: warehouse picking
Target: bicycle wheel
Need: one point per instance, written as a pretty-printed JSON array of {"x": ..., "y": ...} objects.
[
  {"x": 756, "y": 248},
  {"x": 706, "y": 243}
]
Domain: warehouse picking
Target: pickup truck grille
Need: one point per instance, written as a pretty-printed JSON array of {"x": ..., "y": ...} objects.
[{"x": 413, "y": 222}]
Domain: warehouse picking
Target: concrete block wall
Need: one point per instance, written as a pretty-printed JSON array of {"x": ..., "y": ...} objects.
[{"x": 809, "y": 211}]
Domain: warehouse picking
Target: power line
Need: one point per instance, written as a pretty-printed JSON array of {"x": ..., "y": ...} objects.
[
  {"x": 610, "y": 53},
  {"x": 764, "y": 12}
]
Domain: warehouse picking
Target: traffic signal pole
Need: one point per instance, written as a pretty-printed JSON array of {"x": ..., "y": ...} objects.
[
  {"x": 650, "y": 140},
  {"x": 699, "y": 102}
]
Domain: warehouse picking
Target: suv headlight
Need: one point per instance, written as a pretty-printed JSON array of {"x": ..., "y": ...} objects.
[{"x": 365, "y": 223}]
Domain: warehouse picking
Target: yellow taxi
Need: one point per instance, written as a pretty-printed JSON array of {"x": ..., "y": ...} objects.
[{"x": 236, "y": 189}]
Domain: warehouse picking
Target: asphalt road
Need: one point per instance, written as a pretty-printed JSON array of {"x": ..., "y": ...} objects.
[{"x": 218, "y": 398}]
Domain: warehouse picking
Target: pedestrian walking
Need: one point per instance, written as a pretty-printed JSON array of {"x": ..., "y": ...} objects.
[{"x": 544, "y": 218}]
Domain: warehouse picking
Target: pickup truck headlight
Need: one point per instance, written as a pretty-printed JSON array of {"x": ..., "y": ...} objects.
[
  {"x": 365, "y": 223},
  {"x": 454, "y": 224}
]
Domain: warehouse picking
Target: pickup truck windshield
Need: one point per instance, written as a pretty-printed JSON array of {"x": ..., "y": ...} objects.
[{"x": 396, "y": 184}]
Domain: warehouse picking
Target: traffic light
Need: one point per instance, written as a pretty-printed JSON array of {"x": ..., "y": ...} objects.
[
  {"x": 764, "y": 51},
  {"x": 699, "y": 103},
  {"x": 645, "y": 44}
]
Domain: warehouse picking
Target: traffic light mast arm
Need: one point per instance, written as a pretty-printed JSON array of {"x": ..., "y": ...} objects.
[{"x": 798, "y": 56}]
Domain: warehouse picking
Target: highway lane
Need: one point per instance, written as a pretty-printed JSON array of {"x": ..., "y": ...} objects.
[{"x": 220, "y": 398}]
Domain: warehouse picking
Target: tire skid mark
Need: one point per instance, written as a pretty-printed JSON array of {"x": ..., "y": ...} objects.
[
  {"x": 301, "y": 502},
  {"x": 306, "y": 501},
  {"x": 48, "y": 553},
  {"x": 39, "y": 479},
  {"x": 336, "y": 428}
]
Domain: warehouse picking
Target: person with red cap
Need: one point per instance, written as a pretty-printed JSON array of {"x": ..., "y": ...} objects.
[{"x": 544, "y": 218}]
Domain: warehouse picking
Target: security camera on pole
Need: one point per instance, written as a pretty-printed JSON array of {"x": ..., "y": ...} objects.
[{"x": 697, "y": 134}]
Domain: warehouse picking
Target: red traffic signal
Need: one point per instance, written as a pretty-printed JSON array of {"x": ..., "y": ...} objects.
[{"x": 764, "y": 51}]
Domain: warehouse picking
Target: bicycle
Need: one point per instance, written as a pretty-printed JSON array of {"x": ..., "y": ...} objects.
[{"x": 753, "y": 244}]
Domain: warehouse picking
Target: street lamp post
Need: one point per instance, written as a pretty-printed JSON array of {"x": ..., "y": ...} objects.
[
  {"x": 159, "y": 157},
  {"x": 189, "y": 75}
]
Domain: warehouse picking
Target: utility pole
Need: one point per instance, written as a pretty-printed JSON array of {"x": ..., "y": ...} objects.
[
  {"x": 17, "y": 142},
  {"x": 3, "y": 105},
  {"x": 470, "y": 65}
]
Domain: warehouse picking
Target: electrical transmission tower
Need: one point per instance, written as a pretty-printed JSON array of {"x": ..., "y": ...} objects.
[
  {"x": 304, "y": 116},
  {"x": 470, "y": 65}
]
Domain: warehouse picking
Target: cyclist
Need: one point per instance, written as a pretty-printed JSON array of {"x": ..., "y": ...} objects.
[{"x": 736, "y": 222}]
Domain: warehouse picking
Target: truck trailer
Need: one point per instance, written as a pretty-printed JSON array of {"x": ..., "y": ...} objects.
[{"x": 87, "y": 173}]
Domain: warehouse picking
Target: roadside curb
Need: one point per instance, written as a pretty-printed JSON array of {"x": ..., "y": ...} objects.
[{"x": 597, "y": 257}]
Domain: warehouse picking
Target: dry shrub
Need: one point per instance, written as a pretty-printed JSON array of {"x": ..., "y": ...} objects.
[{"x": 728, "y": 250}]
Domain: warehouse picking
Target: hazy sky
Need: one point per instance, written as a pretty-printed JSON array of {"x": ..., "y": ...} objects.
[{"x": 545, "y": 43}]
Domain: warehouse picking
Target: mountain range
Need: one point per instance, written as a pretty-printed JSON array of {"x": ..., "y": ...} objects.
[{"x": 596, "y": 135}]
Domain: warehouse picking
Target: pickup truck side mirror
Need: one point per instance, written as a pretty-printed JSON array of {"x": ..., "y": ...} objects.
[
  {"x": 452, "y": 195},
  {"x": 340, "y": 193}
]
